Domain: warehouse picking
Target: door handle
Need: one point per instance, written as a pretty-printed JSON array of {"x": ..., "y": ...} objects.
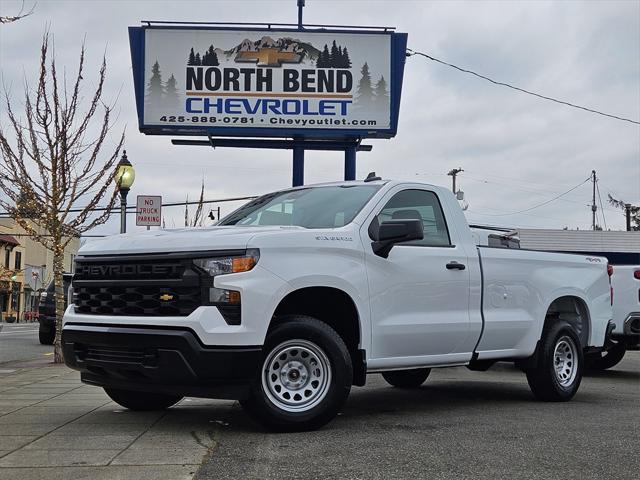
[{"x": 455, "y": 266}]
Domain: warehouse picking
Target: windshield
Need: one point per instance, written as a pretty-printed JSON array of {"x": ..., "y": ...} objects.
[{"x": 314, "y": 207}]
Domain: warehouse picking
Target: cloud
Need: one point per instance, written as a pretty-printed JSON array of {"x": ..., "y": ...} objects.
[{"x": 516, "y": 150}]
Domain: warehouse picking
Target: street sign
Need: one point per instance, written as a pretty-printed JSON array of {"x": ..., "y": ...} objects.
[
  {"x": 244, "y": 82},
  {"x": 149, "y": 210}
]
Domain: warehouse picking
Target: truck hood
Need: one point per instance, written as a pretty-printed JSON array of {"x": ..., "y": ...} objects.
[{"x": 179, "y": 240}]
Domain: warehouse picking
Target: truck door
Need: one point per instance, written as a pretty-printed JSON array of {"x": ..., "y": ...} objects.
[{"x": 420, "y": 293}]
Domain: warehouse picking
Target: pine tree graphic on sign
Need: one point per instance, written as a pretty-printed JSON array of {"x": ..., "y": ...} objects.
[
  {"x": 155, "y": 89},
  {"x": 364, "y": 94},
  {"x": 381, "y": 93},
  {"x": 172, "y": 98},
  {"x": 334, "y": 56},
  {"x": 323, "y": 59},
  {"x": 192, "y": 58},
  {"x": 210, "y": 57},
  {"x": 345, "y": 59}
]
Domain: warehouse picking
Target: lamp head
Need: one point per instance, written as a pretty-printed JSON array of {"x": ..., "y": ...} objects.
[{"x": 125, "y": 173}]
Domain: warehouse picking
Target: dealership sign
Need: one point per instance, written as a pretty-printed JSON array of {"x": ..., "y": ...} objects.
[{"x": 222, "y": 81}]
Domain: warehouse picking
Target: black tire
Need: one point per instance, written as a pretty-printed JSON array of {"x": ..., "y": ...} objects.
[
  {"x": 609, "y": 357},
  {"x": 547, "y": 384},
  {"x": 268, "y": 406},
  {"x": 142, "y": 401},
  {"x": 407, "y": 378},
  {"x": 46, "y": 335}
]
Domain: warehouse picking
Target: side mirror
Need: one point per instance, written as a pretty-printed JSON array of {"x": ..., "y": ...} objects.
[{"x": 396, "y": 231}]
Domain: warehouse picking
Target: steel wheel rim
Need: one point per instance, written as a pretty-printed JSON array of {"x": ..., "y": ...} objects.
[
  {"x": 565, "y": 361},
  {"x": 296, "y": 375}
]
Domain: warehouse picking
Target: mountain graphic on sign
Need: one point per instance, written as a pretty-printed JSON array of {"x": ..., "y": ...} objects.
[{"x": 307, "y": 52}]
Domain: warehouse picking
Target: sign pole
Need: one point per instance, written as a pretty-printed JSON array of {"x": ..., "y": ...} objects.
[
  {"x": 298, "y": 152},
  {"x": 300, "y": 7},
  {"x": 350, "y": 163},
  {"x": 298, "y": 167}
]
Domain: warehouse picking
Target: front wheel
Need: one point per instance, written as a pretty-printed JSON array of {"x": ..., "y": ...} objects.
[
  {"x": 305, "y": 378},
  {"x": 609, "y": 357},
  {"x": 558, "y": 372},
  {"x": 407, "y": 378},
  {"x": 142, "y": 401}
]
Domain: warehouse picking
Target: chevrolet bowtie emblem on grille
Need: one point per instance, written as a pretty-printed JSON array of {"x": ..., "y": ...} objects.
[
  {"x": 165, "y": 297},
  {"x": 268, "y": 57}
]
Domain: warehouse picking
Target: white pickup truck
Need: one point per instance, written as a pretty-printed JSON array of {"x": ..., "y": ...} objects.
[{"x": 296, "y": 296}]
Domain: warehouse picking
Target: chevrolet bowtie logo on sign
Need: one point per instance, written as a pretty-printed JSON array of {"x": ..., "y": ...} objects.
[
  {"x": 268, "y": 57},
  {"x": 165, "y": 297}
]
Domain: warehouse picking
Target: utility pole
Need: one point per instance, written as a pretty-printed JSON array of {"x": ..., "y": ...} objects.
[
  {"x": 594, "y": 207},
  {"x": 627, "y": 212},
  {"x": 453, "y": 174}
]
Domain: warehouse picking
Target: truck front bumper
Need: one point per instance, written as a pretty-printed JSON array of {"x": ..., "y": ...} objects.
[{"x": 163, "y": 360}]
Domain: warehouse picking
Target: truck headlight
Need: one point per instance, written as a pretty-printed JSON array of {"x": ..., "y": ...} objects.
[{"x": 232, "y": 264}]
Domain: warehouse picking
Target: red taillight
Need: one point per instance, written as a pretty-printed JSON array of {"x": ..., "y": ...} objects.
[
  {"x": 610, "y": 269},
  {"x": 636, "y": 274}
]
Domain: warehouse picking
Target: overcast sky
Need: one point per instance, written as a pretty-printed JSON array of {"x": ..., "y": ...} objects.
[{"x": 517, "y": 151}]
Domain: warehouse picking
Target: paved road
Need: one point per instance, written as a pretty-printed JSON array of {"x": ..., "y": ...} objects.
[
  {"x": 459, "y": 425},
  {"x": 20, "y": 342}
]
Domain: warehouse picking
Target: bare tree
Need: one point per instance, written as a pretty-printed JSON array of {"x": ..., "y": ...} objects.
[
  {"x": 20, "y": 15},
  {"x": 198, "y": 217},
  {"x": 634, "y": 211},
  {"x": 51, "y": 174}
]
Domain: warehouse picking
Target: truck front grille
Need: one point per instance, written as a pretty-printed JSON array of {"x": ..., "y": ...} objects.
[
  {"x": 138, "y": 285},
  {"x": 145, "y": 300},
  {"x": 150, "y": 285}
]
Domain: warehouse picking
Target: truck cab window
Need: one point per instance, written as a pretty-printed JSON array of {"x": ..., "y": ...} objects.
[{"x": 421, "y": 205}]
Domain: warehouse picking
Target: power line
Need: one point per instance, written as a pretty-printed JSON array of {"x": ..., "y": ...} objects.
[
  {"x": 134, "y": 207},
  {"x": 411, "y": 52},
  {"x": 540, "y": 204}
]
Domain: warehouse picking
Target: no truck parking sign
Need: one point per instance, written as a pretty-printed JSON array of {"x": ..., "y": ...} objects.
[{"x": 148, "y": 210}]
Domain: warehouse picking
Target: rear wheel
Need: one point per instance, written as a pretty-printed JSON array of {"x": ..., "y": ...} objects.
[
  {"x": 558, "y": 372},
  {"x": 142, "y": 401},
  {"x": 407, "y": 378},
  {"x": 305, "y": 378},
  {"x": 46, "y": 335},
  {"x": 609, "y": 357}
]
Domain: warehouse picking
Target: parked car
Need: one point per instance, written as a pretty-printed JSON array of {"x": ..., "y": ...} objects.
[
  {"x": 299, "y": 294},
  {"x": 47, "y": 310}
]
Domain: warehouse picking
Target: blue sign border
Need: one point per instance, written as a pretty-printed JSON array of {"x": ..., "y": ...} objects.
[{"x": 398, "y": 57}]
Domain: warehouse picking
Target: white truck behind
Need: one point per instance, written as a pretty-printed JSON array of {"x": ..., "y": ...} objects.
[
  {"x": 622, "y": 249},
  {"x": 301, "y": 293}
]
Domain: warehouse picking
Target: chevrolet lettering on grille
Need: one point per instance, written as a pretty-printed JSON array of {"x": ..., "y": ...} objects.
[{"x": 133, "y": 269}]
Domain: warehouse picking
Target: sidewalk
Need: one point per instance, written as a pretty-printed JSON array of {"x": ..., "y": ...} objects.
[{"x": 54, "y": 427}]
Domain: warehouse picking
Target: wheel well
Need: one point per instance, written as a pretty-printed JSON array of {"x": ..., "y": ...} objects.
[
  {"x": 573, "y": 311},
  {"x": 333, "y": 307}
]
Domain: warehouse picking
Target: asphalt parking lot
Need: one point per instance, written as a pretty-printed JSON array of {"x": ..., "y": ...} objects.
[{"x": 458, "y": 425}]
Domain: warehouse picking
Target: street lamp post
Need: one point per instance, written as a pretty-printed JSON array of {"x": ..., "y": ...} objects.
[{"x": 125, "y": 175}]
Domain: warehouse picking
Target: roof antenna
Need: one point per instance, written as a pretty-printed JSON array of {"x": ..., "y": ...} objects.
[{"x": 372, "y": 177}]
